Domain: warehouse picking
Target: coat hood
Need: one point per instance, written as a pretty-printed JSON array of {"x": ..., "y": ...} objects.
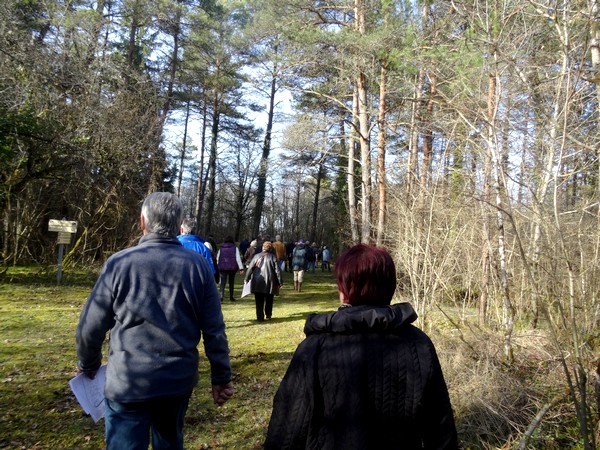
[{"x": 362, "y": 318}]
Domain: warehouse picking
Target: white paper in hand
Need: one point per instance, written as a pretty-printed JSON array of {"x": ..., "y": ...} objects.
[
  {"x": 246, "y": 289},
  {"x": 90, "y": 393}
]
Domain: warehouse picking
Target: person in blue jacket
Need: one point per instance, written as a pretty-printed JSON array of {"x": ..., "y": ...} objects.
[{"x": 190, "y": 240}]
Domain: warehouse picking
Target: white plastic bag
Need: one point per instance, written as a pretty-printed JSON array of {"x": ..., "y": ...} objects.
[{"x": 246, "y": 289}]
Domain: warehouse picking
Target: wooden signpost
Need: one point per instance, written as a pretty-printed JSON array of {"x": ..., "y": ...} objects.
[{"x": 65, "y": 229}]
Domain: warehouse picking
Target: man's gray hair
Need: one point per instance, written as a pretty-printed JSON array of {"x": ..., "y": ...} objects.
[
  {"x": 188, "y": 226},
  {"x": 163, "y": 213}
]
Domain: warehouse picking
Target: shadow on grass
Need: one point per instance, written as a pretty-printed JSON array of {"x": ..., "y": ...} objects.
[
  {"x": 253, "y": 322},
  {"x": 241, "y": 422}
]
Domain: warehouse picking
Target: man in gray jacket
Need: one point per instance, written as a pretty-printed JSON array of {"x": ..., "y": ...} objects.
[{"x": 157, "y": 299}]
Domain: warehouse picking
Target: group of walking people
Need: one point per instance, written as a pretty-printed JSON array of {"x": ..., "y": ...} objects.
[
  {"x": 364, "y": 377},
  {"x": 263, "y": 262},
  {"x": 263, "y": 268}
]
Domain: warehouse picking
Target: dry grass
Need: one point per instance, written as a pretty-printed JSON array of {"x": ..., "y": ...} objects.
[{"x": 494, "y": 402}]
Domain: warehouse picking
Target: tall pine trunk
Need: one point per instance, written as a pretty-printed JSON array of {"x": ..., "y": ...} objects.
[
  {"x": 264, "y": 161},
  {"x": 352, "y": 212},
  {"x": 381, "y": 144},
  {"x": 182, "y": 153},
  {"x": 201, "y": 186},
  {"x": 212, "y": 166}
]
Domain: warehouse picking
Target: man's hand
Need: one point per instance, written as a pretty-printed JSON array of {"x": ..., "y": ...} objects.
[
  {"x": 91, "y": 374},
  {"x": 222, "y": 392}
]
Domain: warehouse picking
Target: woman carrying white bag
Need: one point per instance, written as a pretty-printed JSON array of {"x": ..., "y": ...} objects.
[{"x": 263, "y": 279}]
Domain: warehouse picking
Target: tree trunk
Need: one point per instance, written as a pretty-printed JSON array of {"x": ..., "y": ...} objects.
[
  {"x": 132, "y": 43},
  {"x": 200, "y": 188},
  {"x": 166, "y": 108},
  {"x": 320, "y": 175},
  {"x": 182, "y": 153},
  {"x": 365, "y": 159},
  {"x": 381, "y": 144},
  {"x": 297, "y": 209},
  {"x": 212, "y": 166},
  {"x": 595, "y": 59},
  {"x": 486, "y": 257},
  {"x": 427, "y": 143},
  {"x": 413, "y": 144},
  {"x": 264, "y": 162},
  {"x": 352, "y": 212},
  {"x": 507, "y": 306},
  {"x": 364, "y": 131}
]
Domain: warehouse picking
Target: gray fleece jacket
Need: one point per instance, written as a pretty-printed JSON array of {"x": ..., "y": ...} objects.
[{"x": 157, "y": 299}]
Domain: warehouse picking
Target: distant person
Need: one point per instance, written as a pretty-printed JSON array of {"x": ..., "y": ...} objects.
[
  {"x": 289, "y": 249},
  {"x": 211, "y": 243},
  {"x": 315, "y": 256},
  {"x": 189, "y": 240},
  {"x": 364, "y": 377},
  {"x": 212, "y": 246},
  {"x": 229, "y": 262},
  {"x": 325, "y": 255},
  {"x": 259, "y": 242},
  {"x": 310, "y": 258},
  {"x": 279, "y": 248},
  {"x": 244, "y": 244},
  {"x": 265, "y": 280},
  {"x": 299, "y": 264},
  {"x": 157, "y": 300},
  {"x": 250, "y": 252}
]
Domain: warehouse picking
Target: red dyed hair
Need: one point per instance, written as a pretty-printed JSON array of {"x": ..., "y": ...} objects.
[{"x": 366, "y": 275}]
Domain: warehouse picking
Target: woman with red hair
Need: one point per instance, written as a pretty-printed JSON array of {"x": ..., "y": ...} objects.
[{"x": 364, "y": 377}]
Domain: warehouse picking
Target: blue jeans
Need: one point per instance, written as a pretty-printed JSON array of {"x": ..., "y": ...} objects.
[{"x": 128, "y": 425}]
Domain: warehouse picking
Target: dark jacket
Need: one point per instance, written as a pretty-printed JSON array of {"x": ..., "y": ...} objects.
[
  {"x": 156, "y": 318},
  {"x": 244, "y": 246},
  {"x": 311, "y": 256},
  {"x": 363, "y": 378},
  {"x": 264, "y": 274}
]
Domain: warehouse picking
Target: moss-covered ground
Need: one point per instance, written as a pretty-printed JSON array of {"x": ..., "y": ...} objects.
[{"x": 37, "y": 359}]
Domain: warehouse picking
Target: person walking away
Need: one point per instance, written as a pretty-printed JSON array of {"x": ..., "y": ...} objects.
[
  {"x": 229, "y": 262},
  {"x": 315, "y": 256},
  {"x": 250, "y": 252},
  {"x": 325, "y": 254},
  {"x": 364, "y": 378},
  {"x": 156, "y": 318},
  {"x": 212, "y": 247},
  {"x": 289, "y": 249},
  {"x": 299, "y": 264},
  {"x": 279, "y": 248},
  {"x": 190, "y": 240},
  {"x": 244, "y": 244},
  {"x": 265, "y": 280},
  {"x": 310, "y": 258}
]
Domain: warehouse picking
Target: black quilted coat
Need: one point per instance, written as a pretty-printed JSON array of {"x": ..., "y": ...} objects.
[{"x": 364, "y": 378}]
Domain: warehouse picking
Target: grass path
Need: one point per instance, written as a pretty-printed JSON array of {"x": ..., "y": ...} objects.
[{"x": 37, "y": 358}]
